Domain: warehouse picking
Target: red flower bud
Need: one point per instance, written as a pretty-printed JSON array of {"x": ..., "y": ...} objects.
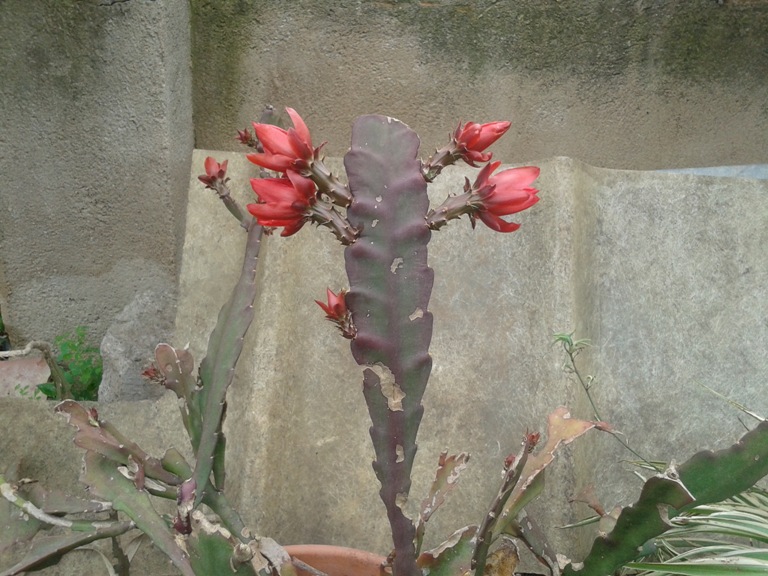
[
  {"x": 245, "y": 137},
  {"x": 508, "y": 192},
  {"x": 213, "y": 172},
  {"x": 472, "y": 139},
  {"x": 531, "y": 439},
  {"x": 336, "y": 311}
]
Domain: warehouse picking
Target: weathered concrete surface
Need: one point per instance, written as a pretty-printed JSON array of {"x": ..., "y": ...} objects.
[
  {"x": 36, "y": 443},
  {"x": 665, "y": 273},
  {"x": 631, "y": 85},
  {"x": 95, "y": 143}
]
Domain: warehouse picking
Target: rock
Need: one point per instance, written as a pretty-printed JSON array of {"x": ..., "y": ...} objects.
[{"x": 129, "y": 344}]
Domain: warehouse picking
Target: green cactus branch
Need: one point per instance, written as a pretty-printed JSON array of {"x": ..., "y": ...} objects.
[
  {"x": 104, "y": 480},
  {"x": 174, "y": 462},
  {"x": 218, "y": 367},
  {"x": 52, "y": 547}
]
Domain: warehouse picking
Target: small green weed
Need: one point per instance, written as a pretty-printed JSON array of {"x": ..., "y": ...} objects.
[{"x": 81, "y": 366}]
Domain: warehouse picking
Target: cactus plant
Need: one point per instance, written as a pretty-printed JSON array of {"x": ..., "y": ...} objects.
[{"x": 382, "y": 217}]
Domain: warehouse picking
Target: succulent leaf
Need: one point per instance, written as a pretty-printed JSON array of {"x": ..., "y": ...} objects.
[
  {"x": 452, "y": 557},
  {"x": 212, "y": 550},
  {"x": 48, "y": 550},
  {"x": 101, "y": 437},
  {"x": 177, "y": 367},
  {"x": 446, "y": 479},
  {"x": 104, "y": 480},
  {"x": 561, "y": 430}
]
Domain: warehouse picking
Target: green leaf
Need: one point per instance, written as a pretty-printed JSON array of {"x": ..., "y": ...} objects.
[
  {"x": 705, "y": 478},
  {"x": 211, "y": 550},
  {"x": 723, "y": 567},
  {"x": 452, "y": 557},
  {"x": 48, "y": 389}
]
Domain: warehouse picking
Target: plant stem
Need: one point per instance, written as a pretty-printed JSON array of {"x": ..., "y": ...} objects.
[
  {"x": 484, "y": 534},
  {"x": 8, "y": 491},
  {"x": 572, "y": 350}
]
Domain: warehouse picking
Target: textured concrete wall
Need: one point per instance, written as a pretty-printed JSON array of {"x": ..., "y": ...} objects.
[
  {"x": 630, "y": 85},
  {"x": 95, "y": 143},
  {"x": 663, "y": 272}
]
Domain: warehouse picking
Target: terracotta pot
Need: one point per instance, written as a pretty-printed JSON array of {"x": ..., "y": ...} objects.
[{"x": 336, "y": 560}]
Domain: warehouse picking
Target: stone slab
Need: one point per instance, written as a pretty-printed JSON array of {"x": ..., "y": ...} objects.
[{"x": 629, "y": 85}]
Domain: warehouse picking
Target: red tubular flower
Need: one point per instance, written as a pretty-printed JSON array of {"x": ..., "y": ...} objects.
[
  {"x": 472, "y": 139},
  {"x": 283, "y": 202},
  {"x": 336, "y": 308},
  {"x": 284, "y": 149},
  {"x": 336, "y": 311},
  {"x": 213, "y": 172},
  {"x": 507, "y": 192}
]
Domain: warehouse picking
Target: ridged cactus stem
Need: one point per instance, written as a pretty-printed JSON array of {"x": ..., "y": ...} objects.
[
  {"x": 390, "y": 285},
  {"x": 222, "y": 191},
  {"x": 329, "y": 185},
  {"x": 324, "y": 214},
  {"x": 218, "y": 367}
]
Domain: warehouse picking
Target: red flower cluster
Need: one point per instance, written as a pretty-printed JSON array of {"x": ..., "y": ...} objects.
[
  {"x": 284, "y": 149},
  {"x": 283, "y": 202},
  {"x": 214, "y": 172},
  {"x": 508, "y": 192}
]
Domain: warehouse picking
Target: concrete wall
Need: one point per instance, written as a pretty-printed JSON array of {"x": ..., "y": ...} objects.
[
  {"x": 631, "y": 85},
  {"x": 96, "y": 126},
  {"x": 95, "y": 144}
]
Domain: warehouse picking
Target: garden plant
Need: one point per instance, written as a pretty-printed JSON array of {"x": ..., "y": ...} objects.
[{"x": 381, "y": 215}]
